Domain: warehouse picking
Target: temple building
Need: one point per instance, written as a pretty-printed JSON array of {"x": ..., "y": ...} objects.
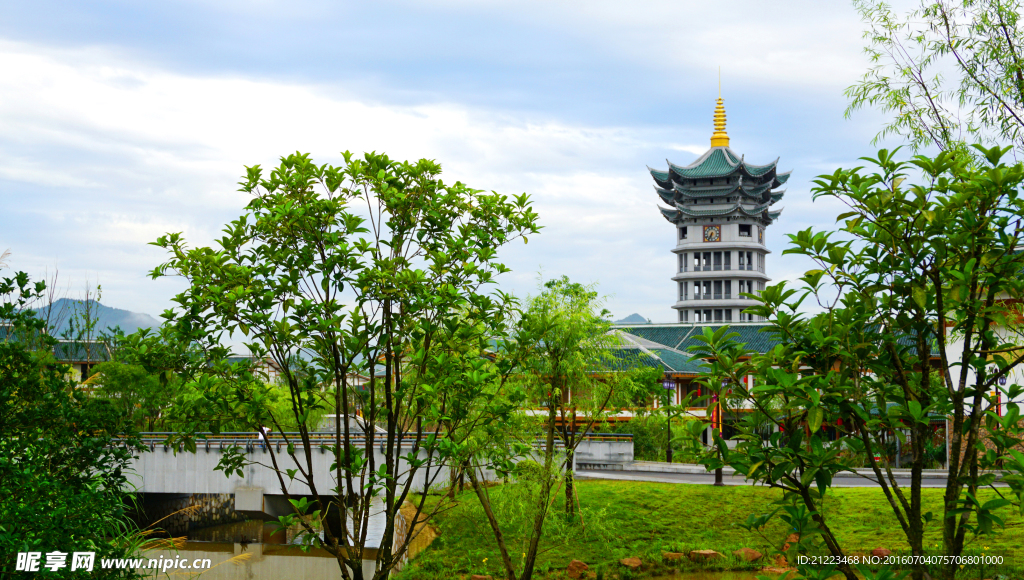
[{"x": 720, "y": 206}]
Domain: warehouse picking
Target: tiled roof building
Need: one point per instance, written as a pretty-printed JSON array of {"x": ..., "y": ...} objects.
[{"x": 720, "y": 205}]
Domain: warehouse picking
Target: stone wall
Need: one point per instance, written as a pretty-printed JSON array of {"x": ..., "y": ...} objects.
[{"x": 181, "y": 514}]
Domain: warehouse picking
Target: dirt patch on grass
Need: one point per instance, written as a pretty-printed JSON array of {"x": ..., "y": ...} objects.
[{"x": 424, "y": 533}]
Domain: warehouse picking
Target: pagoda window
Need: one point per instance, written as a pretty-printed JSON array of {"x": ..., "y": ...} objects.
[
  {"x": 745, "y": 230},
  {"x": 682, "y": 233},
  {"x": 718, "y": 260},
  {"x": 707, "y": 290},
  {"x": 682, "y": 262},
  {"x": 728, "y": 260},
  {"x": 683, "y": 315},
  {"x": 718, "y": 289},
  {"x": 728, "y": 289},
  {"x": 696, "y": 261},
  {"x": 696, "y": 315},
  {"x": 707, "y": 261},
  {"x": 728, "y": 315},
  {"x": 707, "y": 315},
  {"x": 682, "y": 290},
  {"x": 750, "y": 260},
  {"x": 718, "y": 315}
]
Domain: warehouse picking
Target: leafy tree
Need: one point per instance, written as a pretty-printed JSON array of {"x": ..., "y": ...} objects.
[
  {"x": 138, "y": 393},
  {"x": 568, "y": 370},
  {"x": 368, "y": 268},
  {"x": 62, "y": 461},
  {"x": 562, "y": 359},
  {"x": 980, "y": 42},
  {"x": 916, "y": 291}
]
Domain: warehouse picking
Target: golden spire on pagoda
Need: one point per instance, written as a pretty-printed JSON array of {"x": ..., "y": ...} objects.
[{"x": 719, "y": 138}]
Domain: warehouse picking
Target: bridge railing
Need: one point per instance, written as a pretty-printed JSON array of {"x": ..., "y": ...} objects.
[{"x": 251, "y": 440}]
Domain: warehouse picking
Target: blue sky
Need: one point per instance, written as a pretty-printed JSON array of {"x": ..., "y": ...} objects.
[{"x": 120, "y": 121}]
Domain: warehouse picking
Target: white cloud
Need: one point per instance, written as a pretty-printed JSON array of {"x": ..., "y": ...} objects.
[{"x": 123, "y": 152}]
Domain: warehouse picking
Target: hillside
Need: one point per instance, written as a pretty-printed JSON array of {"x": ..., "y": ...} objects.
[{"x": 106, "y": 317}]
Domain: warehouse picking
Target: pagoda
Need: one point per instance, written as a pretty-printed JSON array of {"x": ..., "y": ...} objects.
[{"x": 720, "y": 205}]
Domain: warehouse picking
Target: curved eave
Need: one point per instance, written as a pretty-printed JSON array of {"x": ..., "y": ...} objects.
[
  {"x": 706, "y": 191},
  {"x": 776, "y": 196},
  {"x": 671, "y": 215},
  {"x": 781, "y": 178},
  {"x": 759, "y": 170},
  {"x": 755, "y": 211},
  {"x": 662, "y": 178},
  {"x": 756, "y": 190},
  {"x": 774, "y": 215},
  {"x": 665, "y": 195},
  {"x": 717, "y": 162}
]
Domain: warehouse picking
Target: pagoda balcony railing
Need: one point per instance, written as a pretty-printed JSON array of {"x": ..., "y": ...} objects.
[{"x": 707, "y": 296}]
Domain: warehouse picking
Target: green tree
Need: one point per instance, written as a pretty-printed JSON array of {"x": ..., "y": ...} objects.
[
  {"x": 62, "y": 461},
  {"x": 916, "y": 291},
  {"x": 365, "y": 269},
  {"x": 140, "y": 395},
  {"x": 948, "y": 73},
  {"x": 562, "y": 358}
]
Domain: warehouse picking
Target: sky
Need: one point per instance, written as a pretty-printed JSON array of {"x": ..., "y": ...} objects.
[{"x": 123, "y": 120}]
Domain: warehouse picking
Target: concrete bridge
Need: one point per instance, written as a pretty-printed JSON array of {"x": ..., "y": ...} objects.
[{"x": 163, "y": 470}]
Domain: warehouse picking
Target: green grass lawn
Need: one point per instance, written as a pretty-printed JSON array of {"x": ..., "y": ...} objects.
[{"x": 624, "y": 519}]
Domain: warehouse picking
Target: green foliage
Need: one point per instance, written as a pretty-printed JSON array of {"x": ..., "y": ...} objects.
[
  {"x": 366, "y": 284},
  {"x": 949, "y": 73},
  {"x": 62, "y": 472},
  {"x": 913, "y": 271},
  {"x": 139, "y": 395},
  {"x": 643, "y": 519}
]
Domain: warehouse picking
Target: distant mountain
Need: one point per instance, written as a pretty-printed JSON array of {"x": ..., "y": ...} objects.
[
  {"x": 633, "y": 319},
  {"x": 106, "y": 317}
]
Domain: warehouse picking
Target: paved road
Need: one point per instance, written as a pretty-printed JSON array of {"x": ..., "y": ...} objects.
[{"x": 709, "y": 478}]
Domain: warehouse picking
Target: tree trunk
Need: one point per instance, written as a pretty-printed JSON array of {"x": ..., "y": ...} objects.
[
  {"x": 826, "y": 534},
  {"x": 506, "y": 560},
  {"x": 542, "y": 501},
  {"x": 570, "y": 495},
  {"x": 668, "y": 442}
]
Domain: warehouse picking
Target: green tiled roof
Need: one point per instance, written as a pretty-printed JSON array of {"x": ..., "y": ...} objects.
[
  {"x": 681, "y": 336},
  {"x": 706, "y": 190},
  {"x": 660, "y": 176},
  {"x": 72, "y": 351},
  {"x": 666, "y": 195},
  {"x": 755, "y": 182},
  {"x": 629, "y": 358},
  {"x": 714, "y": 163},
  {"x": 717, "y": 162},
  {"x": 774, "y": 215},
  {"x": 756, "y": 211},
  {"x": 679, "y": 362},
  {"x": 758, "y": 170}
]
